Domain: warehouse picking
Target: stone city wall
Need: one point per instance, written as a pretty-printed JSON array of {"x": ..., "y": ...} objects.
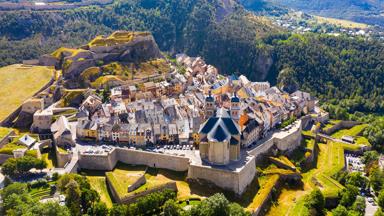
[
  {"x": 105, "y": 162},
  {"x": 262, "y": 149},
  {"x": 289, "y": 142},
  {"x": 151, "y": 159},
  {"x": 236, "y": 181},
  {"x": 136, "y": 157},
  {"x": 246, "y": 175},
  {"x": 284, "y": 141}
]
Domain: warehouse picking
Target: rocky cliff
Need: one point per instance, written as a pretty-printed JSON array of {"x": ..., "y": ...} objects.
[{"x": 121, "y": 46}]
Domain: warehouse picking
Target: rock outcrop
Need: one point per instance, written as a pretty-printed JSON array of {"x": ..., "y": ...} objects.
[{"x": 126, "y": 47}]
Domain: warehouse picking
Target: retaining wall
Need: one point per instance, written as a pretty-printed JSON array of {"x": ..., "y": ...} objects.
[
  {"x": 5, "y": 139},
  {"x": 4, "y": 157},
  {"x": 340, "y": 125},
  {"x": 150, "y": 159},
  {"x": 105, "y": 162},
  {"x": 140, "y": 181}
]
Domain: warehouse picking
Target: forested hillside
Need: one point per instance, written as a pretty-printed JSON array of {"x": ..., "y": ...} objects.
[
  {"x": 339, "y": 70},
  {"x": 345, "y": 72},
  {"x": 177, "y": 25}
]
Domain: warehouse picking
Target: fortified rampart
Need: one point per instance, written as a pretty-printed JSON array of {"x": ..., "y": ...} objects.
[
  {"x": 130, "y": 156},
  {"x": 282, "y": 140},
  {"x": 234, "y": 180}
]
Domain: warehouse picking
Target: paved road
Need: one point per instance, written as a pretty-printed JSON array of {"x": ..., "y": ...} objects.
[{"x": 369, "y": 208}]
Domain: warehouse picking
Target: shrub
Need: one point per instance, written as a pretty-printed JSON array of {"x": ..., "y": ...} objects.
[
  {"x": 19, "y": 166},
  {"x": 40, "y": 183},
  {"x": 315, "y": 201}
]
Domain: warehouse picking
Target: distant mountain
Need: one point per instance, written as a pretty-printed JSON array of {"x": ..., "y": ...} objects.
[{"x": 365, "y": 11}]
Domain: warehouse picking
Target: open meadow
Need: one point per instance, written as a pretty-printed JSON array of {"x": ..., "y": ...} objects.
[
  {"x": 18, "y": 83},
  {"x": 340, "y": 22}
]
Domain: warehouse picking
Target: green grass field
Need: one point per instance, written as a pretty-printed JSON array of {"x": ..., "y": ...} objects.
[
  {"x": 341, "y": 22},
  {"x": 18, "y": 83},
  {"x": 8, "y": 148}
]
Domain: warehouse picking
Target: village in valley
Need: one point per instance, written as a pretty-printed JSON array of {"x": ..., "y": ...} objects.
[{"x": 179, "y": 124}]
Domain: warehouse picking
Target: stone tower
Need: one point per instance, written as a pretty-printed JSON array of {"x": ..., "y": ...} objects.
[
  {"x": 235, "y": 108},
  {"x": 210, "y": 106}
]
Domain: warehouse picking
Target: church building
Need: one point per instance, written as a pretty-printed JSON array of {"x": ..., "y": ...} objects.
[{"x": 220, "y": 134}]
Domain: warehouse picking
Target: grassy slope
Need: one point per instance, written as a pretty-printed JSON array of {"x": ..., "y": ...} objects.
[
  {"x": 266, "y": 184},
  {"x": 123, "y": 176},
  {"x": 4, "y": 132},
  {"x": 330, "y": 161},
  {"x": 18, "y": 83},
  {"x": 99, "y": 184},
  {"x": 354, "y": 131}
]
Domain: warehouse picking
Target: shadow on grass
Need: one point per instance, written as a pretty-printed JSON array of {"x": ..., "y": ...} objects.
[{"x": 51, "y": 155}]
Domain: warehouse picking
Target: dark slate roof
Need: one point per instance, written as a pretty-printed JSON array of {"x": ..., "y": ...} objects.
[
  {"x": 209, "y": 125},
  {"x": 209, "y": 99},
  {"x": 230, "y": 126},
  {"x": 235, "y": 99},
  {"x": 220, "y": 135},
  {"x": 233, "y": 141}
]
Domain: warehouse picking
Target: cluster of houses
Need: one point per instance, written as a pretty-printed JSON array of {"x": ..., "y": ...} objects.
[{"x": 175, "y": 110}]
